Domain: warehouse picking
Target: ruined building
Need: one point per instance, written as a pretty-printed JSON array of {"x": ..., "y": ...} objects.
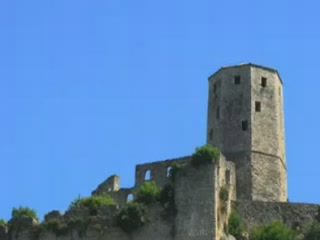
[{"x": 246, "y": 122}]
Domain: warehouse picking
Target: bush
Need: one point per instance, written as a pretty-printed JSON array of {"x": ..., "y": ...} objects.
[
  {"x": 24, "y": 211},
  {"x": 93, "y": 203},
  {"x": 131, "y": 216},
  {"x": 205, "y": 154},
  {"x": 148, "y": 192},
  {"x": 235, "y": 227},
  {"x": 3, "y": 222},
  {"x": 224, "y": 194},
  {"x": 166, "y": 197},
  {"x": 175, "y": 167},
  {"x": 273, "y": 231},
  {"x": 312, "y": 232}
]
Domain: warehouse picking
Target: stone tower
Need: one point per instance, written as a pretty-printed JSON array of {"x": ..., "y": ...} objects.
[{"x": 245, "y": 121}]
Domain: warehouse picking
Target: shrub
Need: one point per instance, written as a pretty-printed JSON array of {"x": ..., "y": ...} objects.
[
  {"x": 312, "y": 232},
  {"x": 24, "y": 211},
  {"x": 205, "y": 154},
  {"x": 93, "y": 203},
  {"x": 224, "y": 194},
  {"x": 148, "y": 192},
  {"x": 235, "y": 227},
  {"x": 175, "y": 167},
  {"x": 3, "y": 222},
  {"x": 131, "y": 216},
  {"x": 52, "y": 225},
  {"x": 273, "y": 231},
  {"x": 166, "y": 197}
]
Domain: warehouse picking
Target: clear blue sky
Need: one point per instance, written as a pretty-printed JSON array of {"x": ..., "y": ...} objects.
[{"x": 92, "y": 88}]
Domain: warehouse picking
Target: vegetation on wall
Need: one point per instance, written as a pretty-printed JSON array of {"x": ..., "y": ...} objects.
[
  {"x": 205, "y": 154},
  {"x": 166, "y": 198},
  {"x": 63, "y": 228},
  {"x": 3, "y": 222},
  {"x": 148, "y": 193},
  {"x": 224, "y": 194},
  {"x": 235, "y": 226},
  {"x": 93, "y": 203},
  {"x": 273, "y": 231},
  {"x": 175, "y": 167},
  {"x": 24, "y": 212},
  {"x": 312, "y": 231},
  {"x": 131, "y": 216}
]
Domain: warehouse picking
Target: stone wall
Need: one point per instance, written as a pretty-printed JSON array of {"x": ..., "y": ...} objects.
[
  {"x": 228, "y": 105},
  {"x": 254, "y": 213},
  {"x": 245, "y": 121},
  {"x": 195, "y": 196},
  {"x": 102, "y": 226},
  {"x": 269, "y": 171},
  {"x": 158, "y": 171}
]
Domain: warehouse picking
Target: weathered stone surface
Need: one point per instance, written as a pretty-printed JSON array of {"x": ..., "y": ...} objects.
[
  {"x": 52, "y": 215},
  {"x": 3, "y": 232},
  {"x": 250, "y": 136},
  {"x": 255, "y": 213}
]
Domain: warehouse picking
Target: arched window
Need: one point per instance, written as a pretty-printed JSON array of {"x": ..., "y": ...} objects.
[
  {"x": 147, "y": 175},
  {"x": 169, "y": 171},
  {"x": 130, "y": 197}
]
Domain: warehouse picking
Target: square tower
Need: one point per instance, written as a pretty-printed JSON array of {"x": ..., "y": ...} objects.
[{"x": 245, "y": 121}]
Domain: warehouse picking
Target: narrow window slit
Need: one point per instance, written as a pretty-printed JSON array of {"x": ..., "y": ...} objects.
[
  {"x": 258, "y": 106},
  {"x": 263, "y": 82},
  {"x": 244, "y": 125}
]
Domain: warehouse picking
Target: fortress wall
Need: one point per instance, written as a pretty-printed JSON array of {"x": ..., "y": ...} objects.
[
  {"x": 226, "y": 181},
  {"x": 195, "y": 196},
  {"x": 158, "y": 171},
  {"x": 254, "y": 213},
  {"x": 242, "y": 162},
  {"x": 157, "y": 229}
]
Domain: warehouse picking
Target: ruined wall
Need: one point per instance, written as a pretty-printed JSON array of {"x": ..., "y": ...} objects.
[
  {"x": 254, "y": 213},
  {"x": 159, "y": 171},
  {"x": 101, "y": 227}
]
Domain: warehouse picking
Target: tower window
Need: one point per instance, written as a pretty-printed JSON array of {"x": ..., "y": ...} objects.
[
  {"x": 214, "y": 88},
  {"x": 263, "y": 82},
  {"x": 237, "y": 80},
  {"x": 218, "y": 113},
  {"x": 258, "y": 106},
  {"x": 244, "y": 125},
  {"x": 211, "y": 134}
]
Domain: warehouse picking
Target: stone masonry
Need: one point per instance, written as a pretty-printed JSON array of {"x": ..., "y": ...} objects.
[{"x": 246, "y": 123}]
